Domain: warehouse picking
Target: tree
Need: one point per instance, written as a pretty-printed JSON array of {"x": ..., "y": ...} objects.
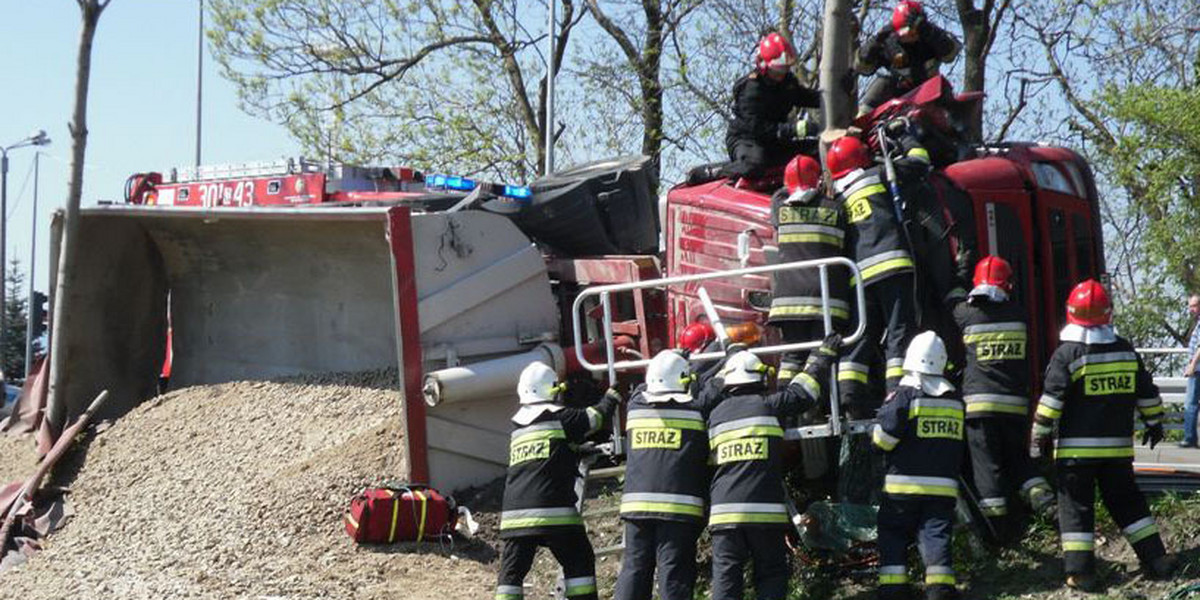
[
  {"x": 89, "y": 12},
  {"x": 425, "y": 82},
  {"x": 12, "y": 344}
]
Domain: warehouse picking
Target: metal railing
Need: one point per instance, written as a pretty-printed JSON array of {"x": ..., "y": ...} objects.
[{"x": 604, "y": 294}]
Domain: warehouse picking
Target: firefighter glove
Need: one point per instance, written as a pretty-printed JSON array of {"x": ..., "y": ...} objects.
[
  {"x": 1153, "y": 434},
  {"x": 1042, "y": 446},
  {"x": 820, "y": 361},
  {"x": 612, "y": 395}
]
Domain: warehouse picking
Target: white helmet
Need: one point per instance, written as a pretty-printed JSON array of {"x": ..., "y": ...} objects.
[
  {"x": 744, "y": 367},
  {"x": 538, "y": 384},
  {"x": 926, "y": 355},
  {"x": 668, "y": 377}
]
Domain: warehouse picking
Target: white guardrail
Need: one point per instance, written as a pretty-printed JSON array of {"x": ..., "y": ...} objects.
[{"x": 604, "y": 294}]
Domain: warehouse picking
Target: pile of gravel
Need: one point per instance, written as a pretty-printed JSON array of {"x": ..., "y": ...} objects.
[{"x": 238, "y": 490}]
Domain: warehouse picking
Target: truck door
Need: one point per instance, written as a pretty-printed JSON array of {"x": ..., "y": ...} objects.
[{"x": 1005, "y": 227}]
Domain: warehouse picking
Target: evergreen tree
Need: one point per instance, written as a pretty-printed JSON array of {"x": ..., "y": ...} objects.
[{"x": 12, "y": 342}]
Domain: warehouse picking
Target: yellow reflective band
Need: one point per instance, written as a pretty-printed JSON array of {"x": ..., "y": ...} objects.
[
  {"x": 874, "y": 271},
  {"x": 1049, "y": 413},
  {"x": 754, "y": 430},
  {"x": 979, "y": 407},
  {"x": 883, "y": 439},
  {"x": 1142, "y": 533},
  {"x": 580, "y": 590},
  {"x": 916, "y": 488},
  {"x": 546, "y": 434},
  {"x": 893, "y": 578},
  {"x": 1078, "y": 546},
  {"x": 849, "y": 375},
  {"x": 894, "y": 372},
  {"x": 1098, "y": 368},
  {"x": 509, "y": 596},
  {"x": 810, "y": 384},
  {"x": 658, "y": 423},
  {"x": 540, "y": 522},
  {"x": 918, "y": 153},
  {"x": 858, "y": 205},
  {"x": 785, "y": 374},
  {"x": 804, "y": 238},
  {"x": 916, "y": 410},
  {"x": 936, "y": 578},
  {"x": 1152, "y": 410},
  {"x": 662, "y": 507},
  {"x": 788, "y": 311},
  {"x": 734, "y": 518},
  {"x": 994, "y": 336},
  {"x": 1124, "y": 452},
  {"x": 994, "y": 511}
]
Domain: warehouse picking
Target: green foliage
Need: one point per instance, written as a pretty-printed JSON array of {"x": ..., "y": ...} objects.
[{"x": 12, "y": 342}]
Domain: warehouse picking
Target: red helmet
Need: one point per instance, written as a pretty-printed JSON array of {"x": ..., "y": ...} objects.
[
  {"x": 696, "y": 336},
  {"x": 993, "y": 270},
  {"x": 846, "y": 154},
  {"x": 774, "y": 53},
  {"x": 1088, "y": 305},
  {"x": 802, "y": 172},
  {"x": 907, "y": 16}
]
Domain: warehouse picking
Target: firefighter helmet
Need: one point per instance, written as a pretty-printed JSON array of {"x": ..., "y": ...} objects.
[
  {"x": 745, "y": 368},
  {"x": 926, "y": 355},
  {"x": 1088, "y": 305},
  {"x": 697, "y": 336},
  {"x": 802, "y": 173},
  {"x": 668, "y": 377},
  {"x": 538, "y": 384},
  {"x": 994, "y": 271},
  {"x": 774, "y": 53},
  {"x": 907, "y": 17},
  {"x": 846, "y": 154}
]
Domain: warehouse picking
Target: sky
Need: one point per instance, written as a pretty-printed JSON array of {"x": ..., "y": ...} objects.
[{"x": 141, "y": 107}]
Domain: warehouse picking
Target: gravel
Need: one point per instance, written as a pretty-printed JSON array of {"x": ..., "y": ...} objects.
[
  {"x": 238, "y": 490},
  {"x": 18, "y": 457}
]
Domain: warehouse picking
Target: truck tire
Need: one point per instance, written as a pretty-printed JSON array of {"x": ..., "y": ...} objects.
[{"x": 602, "y": 207}]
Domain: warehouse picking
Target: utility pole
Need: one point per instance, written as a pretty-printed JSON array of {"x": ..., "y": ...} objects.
[
  {"x": 549, "y": 167},
  {"x": 29, "y": 312},
  {"x": 37, "y": 139},
  {"x": 199, "y": 78}
]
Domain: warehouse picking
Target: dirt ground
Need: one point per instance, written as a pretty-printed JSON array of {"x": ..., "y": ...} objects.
[{"x": 238, "y": 490}]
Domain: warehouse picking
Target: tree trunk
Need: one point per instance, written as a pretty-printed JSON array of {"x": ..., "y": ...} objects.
[
  {"x": 59, "y": 371},
  {"x": 976, "y": 32},
  {"x": 835, "y": 64},
  {"x": 649, "y": 70}
]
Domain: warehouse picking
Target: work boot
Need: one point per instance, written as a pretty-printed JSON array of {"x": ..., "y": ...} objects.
[
  {"x": 1084, "y": 582},
  {"x": 1161, "y": 567}
]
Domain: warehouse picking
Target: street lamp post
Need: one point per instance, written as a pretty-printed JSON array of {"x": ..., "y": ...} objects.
[
  {"x": 38, "y": 138},
  {"x": 29, "y": 310}
]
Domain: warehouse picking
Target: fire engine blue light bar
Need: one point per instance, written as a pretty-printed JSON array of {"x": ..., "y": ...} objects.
[
  {"x": 518, "y": 191},
  {"x": 464, "y": 184}
]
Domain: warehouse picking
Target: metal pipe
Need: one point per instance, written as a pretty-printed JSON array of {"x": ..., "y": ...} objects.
[
  {"x": 199, "y": 78},
  {"x": 487, "y": 379},
  {"x": 835, "y": 417},
  {"x": 623, "y": 287},
  {"x": 610, "y": 352},
  {"x": 714, "y": 318}
]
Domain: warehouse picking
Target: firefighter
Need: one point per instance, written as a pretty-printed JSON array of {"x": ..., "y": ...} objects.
[
  {"x": 666, "y": 481},
  {"x": 996, "y": 392},
  {"x": 1093, "y": 383},
  {"x": 749, "y": 515},
  {"x": 539, "y": 491},
  {"x": 921, "y": 431},
  {"x": 910, "y": 49},
  {"x": 809, "y": 225},
  {"x": 880, "y": 249},
  {"x": 762, "y": 133}
]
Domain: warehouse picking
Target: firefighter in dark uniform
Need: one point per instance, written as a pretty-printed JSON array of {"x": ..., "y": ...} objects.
[
  {"x": 996, "y": 392},
  {"x": 539, "y": 491},
  {"x": 910, "y": 49},
  {"x": 809, "y": 225},
  {"x": 666, "y": 481},
  {"x": 885, "y": 262},
  {"x": 921, "y": 431},
  {"x": 1094, "y": 382},
  {"x": 763, "y": 133},
  {"x": 749, "y": 515}
]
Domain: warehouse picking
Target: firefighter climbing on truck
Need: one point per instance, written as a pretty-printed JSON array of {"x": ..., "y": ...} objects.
[
  {"x": 809, "y": 224},
  {"x": 910, "y": 49}
]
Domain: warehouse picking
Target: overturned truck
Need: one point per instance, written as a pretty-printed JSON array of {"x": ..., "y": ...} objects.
[{"x": 268, "y": 271}]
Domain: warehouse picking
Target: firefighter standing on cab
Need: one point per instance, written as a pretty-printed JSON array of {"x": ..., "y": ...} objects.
[
  {"x": 666, "y": 481},
  {"x": 921, "y": 430},
  {"x": 539, "y": 506},
  {"x": 749, "y": 515},
  {"x": 809, "y": 225},
  {"x": 996, "y": 392},
  {"x": 910, "y": 49},
  {"x": 881, "y": 251},
  {"x": 1094, "y": 382}
]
